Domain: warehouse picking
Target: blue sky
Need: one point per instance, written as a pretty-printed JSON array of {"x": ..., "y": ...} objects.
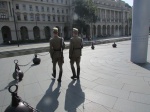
[{"x": 130, "y": 2}]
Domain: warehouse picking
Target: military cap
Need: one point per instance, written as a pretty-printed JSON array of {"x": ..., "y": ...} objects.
[
  {"x": 75, "y": 29},
  {"x": 55, "y": 29}
]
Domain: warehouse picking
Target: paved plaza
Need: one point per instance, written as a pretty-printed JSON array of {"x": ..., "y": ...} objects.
[{"x": 109, "y": 82}]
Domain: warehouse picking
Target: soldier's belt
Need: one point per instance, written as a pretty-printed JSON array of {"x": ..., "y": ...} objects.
[
  {"x": 57, "y": 49},
  {"x": 76, "y": 48}
]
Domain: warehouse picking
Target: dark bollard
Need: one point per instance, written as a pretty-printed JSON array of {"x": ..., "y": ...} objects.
[
  {"x": 92, "y": 46},
  {"x": 114, "y": 45},
  {"x": 18, "y": 74},
  {"x": 17, "y": 105},
  {"x": 36, "y": 60}
]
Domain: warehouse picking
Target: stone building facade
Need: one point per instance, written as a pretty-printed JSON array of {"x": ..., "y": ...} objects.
[{"x": 34, "y": 19}]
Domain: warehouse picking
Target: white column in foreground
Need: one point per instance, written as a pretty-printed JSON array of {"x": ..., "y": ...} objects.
[{"x": 140, "y": 30}]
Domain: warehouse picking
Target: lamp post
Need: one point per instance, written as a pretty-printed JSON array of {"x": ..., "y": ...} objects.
[{"x": 15, "y": 23}]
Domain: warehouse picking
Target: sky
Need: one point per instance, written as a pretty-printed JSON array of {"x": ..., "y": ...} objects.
[{"x": 130, "y": 2}]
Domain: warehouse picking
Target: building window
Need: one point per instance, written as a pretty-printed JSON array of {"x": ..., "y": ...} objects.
[
  {"x": 37, "y": 17},
  {"x": 36, "y": 8},
  {"x": 42, "y": 8},
  {"x": 47, "y": 9},
  {"x": 53, "y": 18},
  {"x": 53, "y": 10},
  {"x": 3, "y": 16},
  {"x": 17, "y": 6},
  {"x": 67, "y": 18},
  {"x": 57, "y": 10},
  {"x": 25, "y": 17},
  {"x": 61, "y": 1},
  {"x": 49, "y": 18},
  {"x": 52, "y": 1},
  {"x": 62, "y": 11},
  {"x": 63, "y": 19},
  {"x": 32, "y": 17},
  {"x": 58, "y": 19},
  {"x": 30, "y": 7},
  {"x": 67, "y": 11},
  {"x": 24, "y": 7},
  {"x": 18, "y": 17},
  {"x": 66, "y": 1},
  {"x": 57, "y": 1},
  {"x": 43, "y": 17},
  {"x": 2, "y": 5}
]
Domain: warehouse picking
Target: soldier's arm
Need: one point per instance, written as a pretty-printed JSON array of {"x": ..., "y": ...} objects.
[
  {"x": 51, "y": 49},
  {"x": 70, "y": 48},
  {"x": 81, "y": 43},
  {"x": 63, "y": 44}
]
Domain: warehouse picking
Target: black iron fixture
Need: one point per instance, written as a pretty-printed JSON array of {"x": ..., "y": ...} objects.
[
  {"x": 92, "y": 46},
  {"x": 36, "y": 60},
  {"x": 114, "y": 45},
  {"x": 17, "y": 104},
  {"x": 18, "y": 74}
]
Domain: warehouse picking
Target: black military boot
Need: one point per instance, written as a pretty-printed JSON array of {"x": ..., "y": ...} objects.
[
  {"x": 78, "y": 73},
  {"x": 60, "y": 75},
  {"x": 54, "y": 73},
  {"x": 74, "y": 73}
]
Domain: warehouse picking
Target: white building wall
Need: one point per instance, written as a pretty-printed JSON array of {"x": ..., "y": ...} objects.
[{"x": 41, "y": 24}]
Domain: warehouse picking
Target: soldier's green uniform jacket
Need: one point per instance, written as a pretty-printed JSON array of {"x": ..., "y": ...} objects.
[
  {"x": 56, "y": 43},
  {"x": 76, "y": 44}
]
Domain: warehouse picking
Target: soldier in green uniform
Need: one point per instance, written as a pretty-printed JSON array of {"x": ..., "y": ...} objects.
[
  {"x": 75, "y": 52},
  {"x": 56, "y": 52}
]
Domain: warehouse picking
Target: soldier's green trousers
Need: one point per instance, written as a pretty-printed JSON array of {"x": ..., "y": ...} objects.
[
  {"x": 77, "y": 60},
  {"x": 60, "y": 63}
]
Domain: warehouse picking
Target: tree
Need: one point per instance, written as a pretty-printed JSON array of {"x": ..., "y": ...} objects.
[{"x": 86, "y": 11}]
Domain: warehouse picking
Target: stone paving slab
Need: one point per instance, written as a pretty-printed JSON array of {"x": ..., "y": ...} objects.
[{"x": 109, "y": 82}]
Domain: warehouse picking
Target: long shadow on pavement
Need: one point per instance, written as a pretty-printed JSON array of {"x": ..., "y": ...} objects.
[
  {"x": 49, "y": 102},
  {"x": 74, "y": 96},
  {"x": 145, "y": 65}
]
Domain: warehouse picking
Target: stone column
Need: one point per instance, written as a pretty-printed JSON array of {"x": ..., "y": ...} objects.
[
  {"x": 140, "y": 30},
  {"x": 114, "y": 16},
  {"x": 105, "y": 14},
  {"x": 110, "y": 16},
  {"x": 101, "y": 15},
  {"x": 1, "y": 37},
  {"x": 96, "y": 27}
]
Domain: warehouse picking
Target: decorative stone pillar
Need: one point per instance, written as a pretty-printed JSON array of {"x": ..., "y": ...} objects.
[{"x": 140, "y": 31}]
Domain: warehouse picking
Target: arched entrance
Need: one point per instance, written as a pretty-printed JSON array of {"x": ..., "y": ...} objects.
[
  {"x": 88, "y": 33},
  {"x": 120, "y": 30},
  {"x": 99, "y": 31},
  {"x": 66, "y": 32},
  {"x": 94, "y": 30},
  {"x": 130, "y": 30},
  {"x": 6, "y": 33},
  {"x": 104, "y": 30},
  {"x": 24, "y": 33},
  {"x": 58, "y": 30},
  {"x": 108, "y": 30},
  {"x": 112, "y": 30},
  {"x": 47, "y": 32},
  {"x": 126, "y": 30},
  {"x": 116, "y": 31},
  {"x": 36, "y": 32}
]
